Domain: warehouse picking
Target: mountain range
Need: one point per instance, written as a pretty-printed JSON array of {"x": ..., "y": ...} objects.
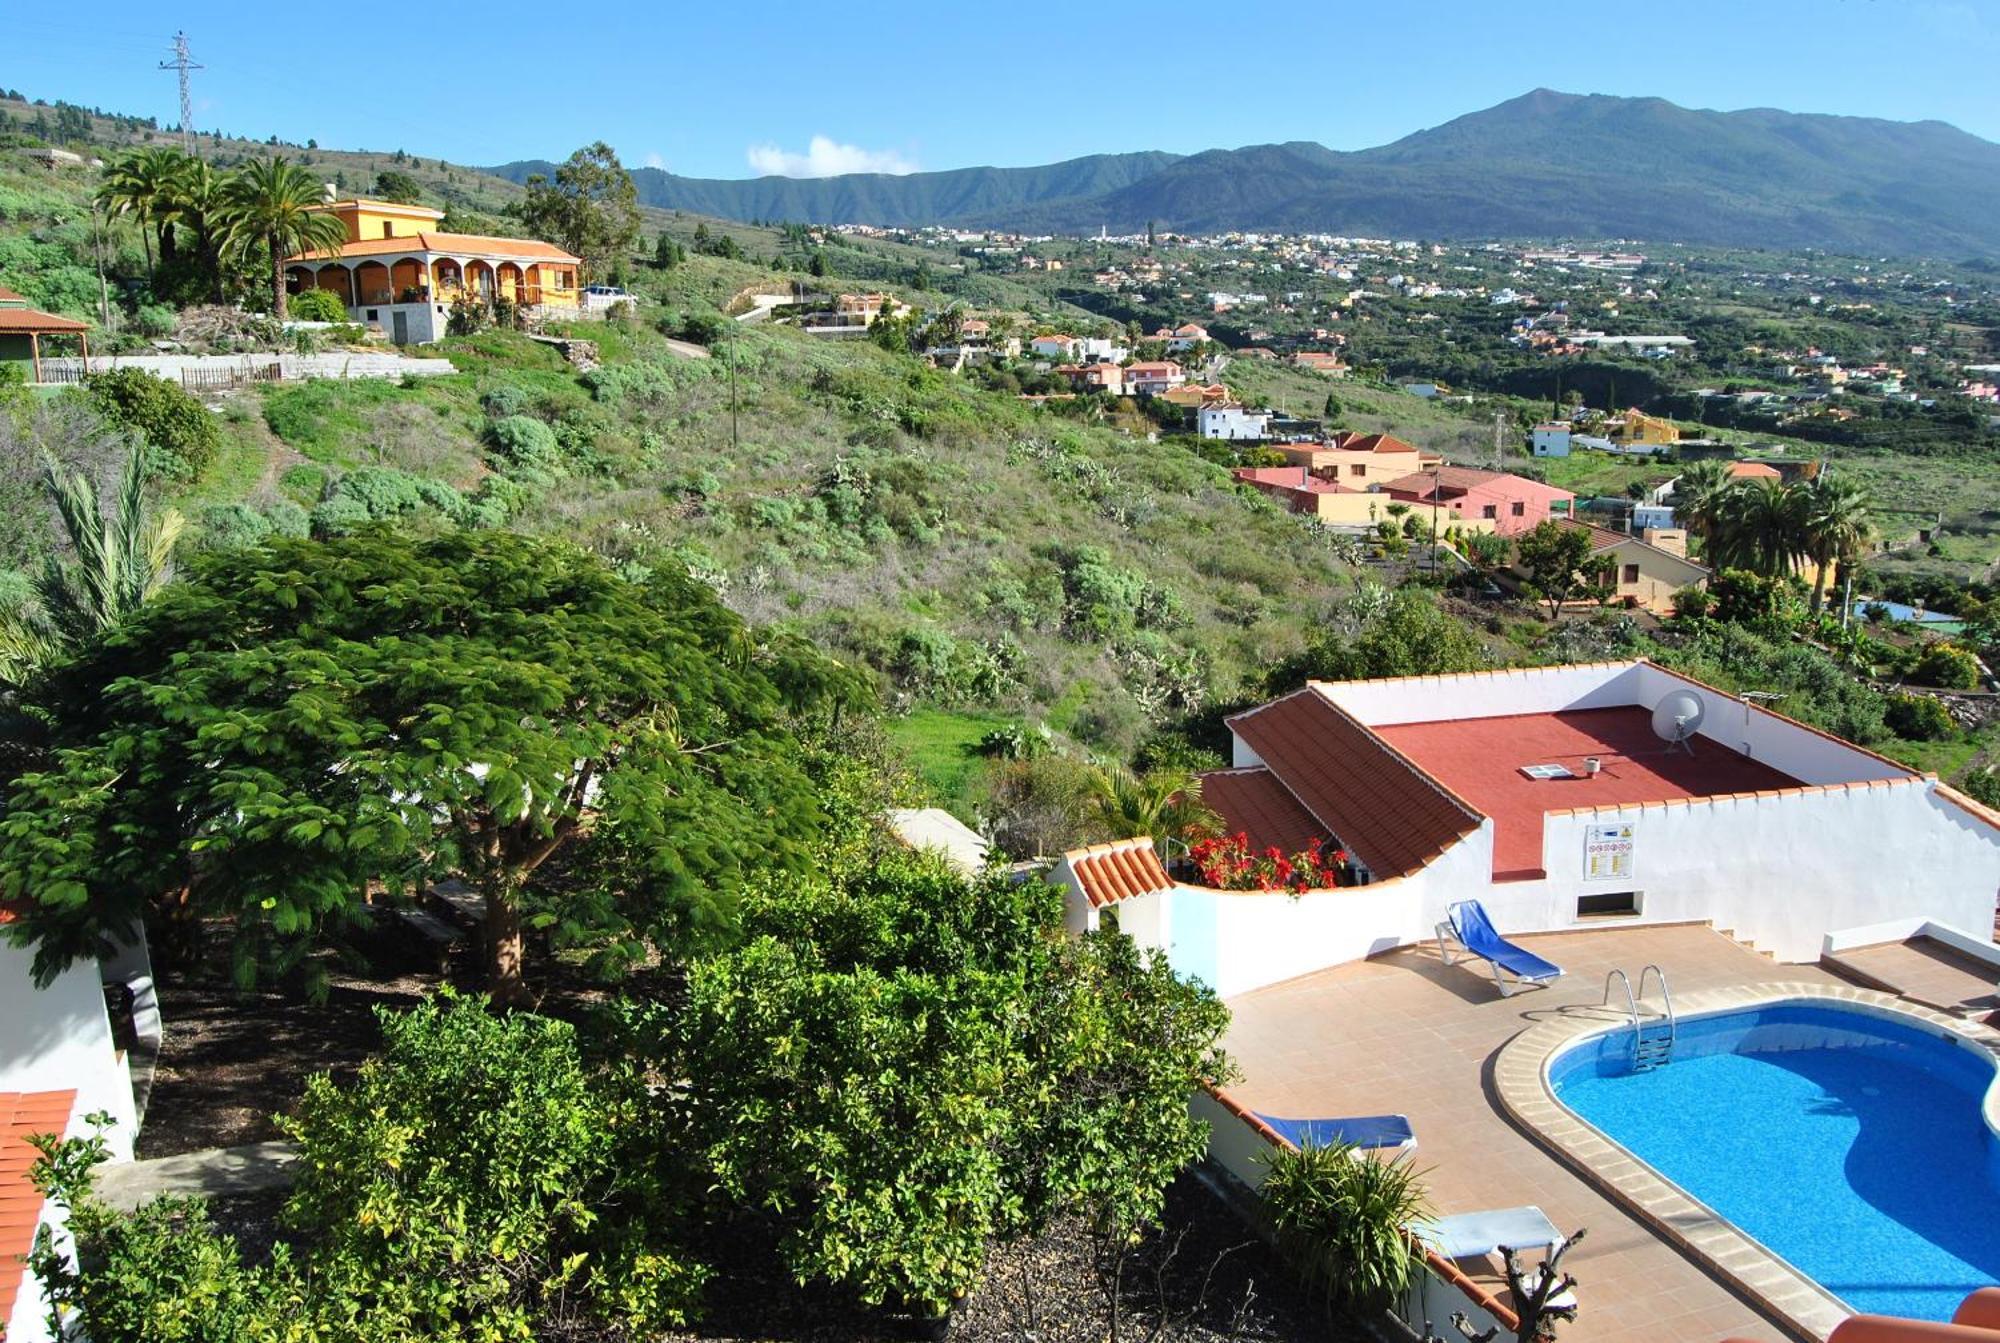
[{"x": 1542, "y": 165}]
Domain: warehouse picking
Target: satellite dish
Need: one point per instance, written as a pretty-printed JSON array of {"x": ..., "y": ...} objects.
[{"x": 1676, "y": 718}]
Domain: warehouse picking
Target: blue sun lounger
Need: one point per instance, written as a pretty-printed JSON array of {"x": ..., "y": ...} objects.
[
  {"x": 1467, "y": 927},
  {"x": 1364, "y": 1131},
  {"x": 1467, "y": 1235}
]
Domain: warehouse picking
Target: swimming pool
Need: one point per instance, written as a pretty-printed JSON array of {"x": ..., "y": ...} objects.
[{"x": 1849, "y": 1144}]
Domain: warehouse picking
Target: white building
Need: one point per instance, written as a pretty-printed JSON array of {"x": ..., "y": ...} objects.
[
  {"x": 60, "y": 1061},
  {"x": 1546, "y": 795},
  {"x": 1230, "y": 420},
  {"x": 1550, "y": 439}
]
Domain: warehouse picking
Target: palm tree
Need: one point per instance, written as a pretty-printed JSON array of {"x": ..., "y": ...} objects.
[
  {"x": 1837, "y": 526},
  {"x": 271, "y": 205},
  {"x": 195, "y": 202},
  {"x": 1759, "y": 526},
  {"x": 1698, "y": 493},
  {"x": 1165, "y": 804},
  {"x": 142, "y": 184},
  {"x": 119, "y": 561}
]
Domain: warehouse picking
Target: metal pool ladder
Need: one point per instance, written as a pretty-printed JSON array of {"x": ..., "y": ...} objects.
[{"x": 1652, "y": 1037}]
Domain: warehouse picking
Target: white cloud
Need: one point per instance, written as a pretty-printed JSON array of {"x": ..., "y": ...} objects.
[
  {"x": 826, "y": 157},
  {"x": 653, "y": 159}
]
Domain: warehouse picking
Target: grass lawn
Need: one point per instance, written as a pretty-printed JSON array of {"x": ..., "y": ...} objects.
[{"x": 941, "y": 747}]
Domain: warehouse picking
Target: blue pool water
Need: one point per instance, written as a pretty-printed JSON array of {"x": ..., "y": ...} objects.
[{"x": 1849, "y": 1145}]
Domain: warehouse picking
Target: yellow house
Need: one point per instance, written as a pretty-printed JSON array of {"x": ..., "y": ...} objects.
[
  {"x": 398, "y": 272},
  {"x": 1635, "y": 426}
]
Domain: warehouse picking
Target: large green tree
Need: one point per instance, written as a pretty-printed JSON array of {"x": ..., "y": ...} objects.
[
  {"x": 144, "y": 184},
  {"x": 298, "y": 723},
  {"x": 269, "y": 207},
  {"x": 1558, "y": 562},
  {"x": 590, "y": 209},
  {"x": 1838, "y": 526}
]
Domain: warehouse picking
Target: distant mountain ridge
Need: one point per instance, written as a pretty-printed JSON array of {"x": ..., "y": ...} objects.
[{"x": 1545, "y": 164}]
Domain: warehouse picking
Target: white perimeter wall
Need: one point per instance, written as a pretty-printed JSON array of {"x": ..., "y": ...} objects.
[
  {"x": 30, "y": 1322},
  {"x": 59, "y": 1039},
  {"x": 1425, "y": 699}
]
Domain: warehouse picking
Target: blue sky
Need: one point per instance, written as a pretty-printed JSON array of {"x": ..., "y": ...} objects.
[{"x": 727, "y": 90}]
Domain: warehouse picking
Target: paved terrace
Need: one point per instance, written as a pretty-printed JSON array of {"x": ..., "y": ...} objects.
[
  {"x": 1481, "y": 760},
  {"x": 1406, "y": 1034}
]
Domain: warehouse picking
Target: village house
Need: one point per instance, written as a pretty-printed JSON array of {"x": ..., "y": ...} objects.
[
  {"x": 1050, "y": 345},
  {"x": 1637, "y": 427},
  {"x": 1503, "y": 786},
  {"x": 1361, "y": 460},
  {"x": 1755, "y": 471},
  {"x": 1194, "y": 395},
  {"x": 1300, "y": 491},
  {"x": 1153, "y": 378},
  {"x": 1109, "y": 378},
  {"x": 1550, "y": 439},
  {"x": 22, "y": 330},
  {"x": 1644, "y": 573},
  {"x": 1181, "y": 338},
  {"x": 396, "y": 273},
  {"x": 1318, "y": 361},
  {"x": 1511, "y": 503},
  {"x": 1229, "y": 420}
]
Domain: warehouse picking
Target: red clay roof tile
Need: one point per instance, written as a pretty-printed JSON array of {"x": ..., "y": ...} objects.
[
  {"x": 1253, "y": 802},
  {"x": 1109, "y": 873},
  {"x": 1373, "y": 800},
  {"x": 20, "y": 1206}
]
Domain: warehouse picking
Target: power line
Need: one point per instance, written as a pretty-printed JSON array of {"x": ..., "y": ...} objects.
[{"x": 182, "y": 63}]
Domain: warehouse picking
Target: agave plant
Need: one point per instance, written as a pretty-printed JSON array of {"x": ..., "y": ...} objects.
[{"x": 1343, "y": 1217}]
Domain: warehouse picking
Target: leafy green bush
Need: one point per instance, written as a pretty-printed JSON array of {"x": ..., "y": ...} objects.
[
  {"x": 1343, "y": 1221},
  {"x": 1745, "y": 598},
  {"x": 457, "y": 1182},
  {"x": 505, "y": 400},
  {"x": 1946, "y": 666},
  {"x": 156, "y": 320},
  {"x": 315, "y": 305},
  {"x": 1918, "y": 718},
  {"x": 177, "y": 426},
  {"x": 338, "y": 515},
  {"x": 525, "y": 443}
]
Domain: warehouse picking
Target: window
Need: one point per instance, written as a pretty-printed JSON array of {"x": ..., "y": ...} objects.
[
  {"x": 388, "y": 228},
  {"x": 1613, "y": 905},
  {"x": 1489, "y": 511},
  {"x": 1520, "y": 509},
  {"x": 1357, "y": 470},
  {"x": 1631, "y": 573},
  {"x": 374, "y": 316}
]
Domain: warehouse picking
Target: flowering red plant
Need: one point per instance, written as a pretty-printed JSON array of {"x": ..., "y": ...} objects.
[{"x": 1228, "y": 863}]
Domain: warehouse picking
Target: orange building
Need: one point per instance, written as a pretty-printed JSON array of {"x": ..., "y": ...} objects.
[{"x": 398, "y": 272}]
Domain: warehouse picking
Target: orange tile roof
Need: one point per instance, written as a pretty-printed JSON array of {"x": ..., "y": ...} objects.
[
  {"x": 1252, "y": 802},
  {"x": 1374, "y": 800},
  {"x": 20, "y": 1206},
  {"x": 9, "y": 296},
  {"x": 1118, "y": 871},
  {"x": 425, "y": 241},
  {"x": 1754, "y": 471},
  {"x": 27, "y": 319},
  {"x": 1349, "y": 441}
]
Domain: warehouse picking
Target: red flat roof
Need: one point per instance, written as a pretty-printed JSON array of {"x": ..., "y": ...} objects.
[{"x": 1480, "y": 759}]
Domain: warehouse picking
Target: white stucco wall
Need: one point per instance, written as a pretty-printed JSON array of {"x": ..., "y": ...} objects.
[
  {"x": 1779, "y": 872},
  {"x": 59, "y": 1038},
  {"x": 29, "y": 1322},
  {"x": 1806, "y": 755},
  {"x": 1423, "y": 699}
]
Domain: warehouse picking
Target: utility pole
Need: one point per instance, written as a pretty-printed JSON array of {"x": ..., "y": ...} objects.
[
  {"x": 1499, "y": 440},
  {"x": 735, "y": 440},
  {"x": 182, "y": 63}
]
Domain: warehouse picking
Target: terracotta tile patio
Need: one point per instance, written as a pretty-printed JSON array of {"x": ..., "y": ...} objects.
[
  {"x": 1404, "y": 1033},
  {"x": 1927, "y": 971}
]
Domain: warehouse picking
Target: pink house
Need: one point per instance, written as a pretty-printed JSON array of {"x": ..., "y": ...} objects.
[{"x": 1510, "y": 503}]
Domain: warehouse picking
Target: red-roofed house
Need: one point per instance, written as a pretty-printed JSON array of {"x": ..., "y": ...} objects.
[
  {"x": 1052, "y": 346},
  {"x": 1510, "y": 503},
  {"x": 24, "y": 1308},
  {"x": 1644, "y": 576},
  {"x": 1153, "y": 378},
  {"x": 1361, "y": 460},
  {"x": 1302, "y": 492},
  {"x": 396, "y": 271},
  {"x": 1093, "y": 377},
  {"x": 1320, "y": 362},
  {"x": 1549, "y": 795},
  {"x": 1754, "y": 471}
]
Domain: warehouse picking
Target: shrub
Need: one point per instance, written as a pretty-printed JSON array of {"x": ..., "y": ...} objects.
[
  {"x": 174, "y": 424},
  {"x": 523, "y": 441},
  {"x": 704, "y": 328},
  {"x": 315, "y": 305},
  {"x": 225, "y": 526},
  {"x": 1745, "y": 598},
  {"x": 1692, "y": 603},
  {"x": 505, "y": 400},
  {"x": 156, "y": 320},
  {"x": 1918, "y": 718},
  {"x": 1948, "y": 667},
  {"x": 339, "y": 515},
  {"x": 1343, "y": 1221}
]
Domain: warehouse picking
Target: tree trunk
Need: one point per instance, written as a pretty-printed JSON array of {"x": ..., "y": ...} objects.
[
  {"x": 506, "y": 949},
  {"x": 146, "y": 241},
  {"x": 1819, "y": 587},
  {"x": 277, "y": 279},
  {"x": 167, "y": 250}
]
